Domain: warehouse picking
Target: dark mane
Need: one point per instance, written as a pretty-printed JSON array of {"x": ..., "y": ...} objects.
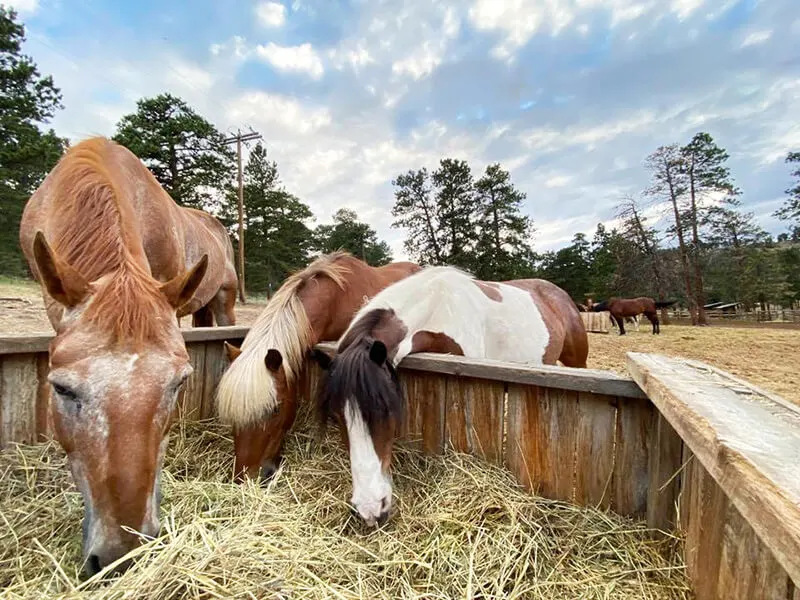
[
  {"x": 365, "y": 326},
  {"x": 375, "y": 388},
  {"x": 600, "y": 306}
]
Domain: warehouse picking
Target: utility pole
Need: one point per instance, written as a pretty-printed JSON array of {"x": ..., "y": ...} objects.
[{"x": 238, "y": 139}]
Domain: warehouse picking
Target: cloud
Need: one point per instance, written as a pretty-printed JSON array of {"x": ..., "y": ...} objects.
[
  {"x": 348, "y": 96},
  {"x": 272, "y": 111},
  {"x": 301, "y": 59},
  {"x": 756, "y": 38},
  {"x": 271, "y": 14},
  {"x": 24, "y": 7}
]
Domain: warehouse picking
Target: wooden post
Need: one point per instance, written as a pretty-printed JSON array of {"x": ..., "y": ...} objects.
[
  {"x": 241, "y": 220},
  {"x": 239, "y": 138}
]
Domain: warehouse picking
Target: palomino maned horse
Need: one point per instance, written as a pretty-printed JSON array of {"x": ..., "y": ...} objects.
[
  {"x": 444, "y": 310},
  {"x": 621, "y": 308},
  {"x": 257, "y": 395},
  {"x": 117, "y": 260}
]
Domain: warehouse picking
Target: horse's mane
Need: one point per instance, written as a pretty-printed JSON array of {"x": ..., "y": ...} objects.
[
  {"x": 98, "y": 236},
  {"x": 353, "y": 374},
  {"x": 247, "y": 390}
]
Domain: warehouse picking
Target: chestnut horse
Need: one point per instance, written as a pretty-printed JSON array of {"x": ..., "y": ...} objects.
[
  {"x": 622, "y": 308},
  {"x": 444, "y": 310},
  {"x": 117, "y": 259},
  {"x": 257, "y": 395}
]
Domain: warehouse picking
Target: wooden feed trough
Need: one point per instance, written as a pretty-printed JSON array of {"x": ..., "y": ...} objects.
[
  {"x": 683, "y": 446},
  {"x": 597, "y": 322}
]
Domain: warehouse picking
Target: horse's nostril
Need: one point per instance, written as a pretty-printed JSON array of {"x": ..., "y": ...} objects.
[
  {"x": 93, "y": 566},
  {"x": 382, "y": 518}
]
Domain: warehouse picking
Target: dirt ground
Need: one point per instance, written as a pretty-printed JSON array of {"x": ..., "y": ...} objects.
[{"x": 769, "y": 358}]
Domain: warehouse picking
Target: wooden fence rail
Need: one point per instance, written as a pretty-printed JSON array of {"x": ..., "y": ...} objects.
[{"x": 684, "y": 446}]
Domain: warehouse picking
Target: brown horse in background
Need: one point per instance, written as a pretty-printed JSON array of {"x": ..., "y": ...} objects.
[
  {"x": 257, "y": 395},
  {"x": 117, "y": 259},
  {"x": 171, "y": 236},
  {"x": 620, "y": 308}
]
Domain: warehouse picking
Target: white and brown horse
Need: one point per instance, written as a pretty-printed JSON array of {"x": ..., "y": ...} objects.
[
  {"x": 117, "y": 259},
  {"x": 444, "y": 310},
  {"x": 257, "y": 395}
]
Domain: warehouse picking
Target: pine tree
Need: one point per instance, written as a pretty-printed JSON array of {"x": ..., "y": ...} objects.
[
  {"x": 455, "y": 208},
  {"x": 703, "y": 165},
  {"x": 790, "y": 211},
  {"x": 278, "y": 241},
  {"x": 183, "y": 150},
  {"x": 503, "y": 248},
  {"x": 669, "y": 184},
  {"x": 27, "y": 154},
  {"x": 350, "y": 234},
  {"x": 416, "y": 211}
]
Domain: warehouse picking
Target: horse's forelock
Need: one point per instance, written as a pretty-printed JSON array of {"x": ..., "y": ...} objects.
[{"x": 352, "y": 374}]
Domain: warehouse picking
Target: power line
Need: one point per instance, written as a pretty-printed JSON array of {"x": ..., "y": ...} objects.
[{"x": 238, "y": 139}]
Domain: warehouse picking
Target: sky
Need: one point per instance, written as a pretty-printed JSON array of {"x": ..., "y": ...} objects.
[{"x": 570, "y": 96}]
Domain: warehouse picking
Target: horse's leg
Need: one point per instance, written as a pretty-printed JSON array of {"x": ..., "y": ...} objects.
[
  {"x": 621, "y": 323},
  {"x": 653, "y": 317},
  {"x": 258, "y": 448},
  {"x": 203, "y": 317},
  {"x": 222, "y": 305}
]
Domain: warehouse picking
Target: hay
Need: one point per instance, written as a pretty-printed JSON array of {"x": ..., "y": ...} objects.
[{"x": 462, "y": 529}]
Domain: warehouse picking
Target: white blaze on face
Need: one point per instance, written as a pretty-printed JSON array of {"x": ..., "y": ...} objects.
[{"x": 372, "y": 488}]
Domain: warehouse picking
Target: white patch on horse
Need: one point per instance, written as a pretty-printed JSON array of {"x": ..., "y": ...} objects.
[
  {"x": 372, "y": 489},
  {"x": 446, "y": 300}
]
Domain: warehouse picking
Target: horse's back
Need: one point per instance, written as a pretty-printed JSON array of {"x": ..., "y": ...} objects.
[{"x": 569, "y": 342}]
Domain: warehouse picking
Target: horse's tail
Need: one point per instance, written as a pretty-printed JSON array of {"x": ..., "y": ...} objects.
[{"x": 665, "y": 303}]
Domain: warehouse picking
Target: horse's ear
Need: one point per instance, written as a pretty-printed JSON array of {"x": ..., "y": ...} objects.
[
  {"x": 232, "y": 351},
  {"x": 273, "y": 360},
  {"x": 180, "y": 290},
  {"x": 321, "y": 358},
  {"x": 378, "y": 352},
  {"x": 64, "y": 284}
]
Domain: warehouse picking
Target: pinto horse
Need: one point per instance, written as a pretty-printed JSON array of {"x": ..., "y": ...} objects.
[
  {"x": 444, "y": 310},
  {"x": 257, "y": 394},
  {"x": 622, "y": 308},
  {"x": 117, "y": 260}
]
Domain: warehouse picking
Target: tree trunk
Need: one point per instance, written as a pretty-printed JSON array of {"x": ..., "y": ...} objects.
[
  {"x": 700, "y": 299},
  {"x": 651, "y": 253},
  {"x": 431, "y": 232},
  {"x": 687, "y": 277}
]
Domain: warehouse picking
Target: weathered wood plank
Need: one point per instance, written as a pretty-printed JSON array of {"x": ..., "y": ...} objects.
[
  {"x": 666, "y": 449},
  {"x": 596, "y": 322},
  {"x": 578, "y": 380},
  {"x": 215, "y": 364},
  {"x": 747, "y": 567},
  {"x": 18, "y": 390},
  {"x": 748, "y": 442},
  {"x": 707, "y": 513},
  {"x": 42, "y": 397},
  {"x": 232, "y": 333},
  {"x": 474, "y": 416},
  {"x": 40, "y": 342},
  {"x": 594, "y": 450},
  {"x": 635, "y": 420},
  {"x": 425, "y": 405},
  {"x": 190, "y": 405},
  {"x": 541, "y": 430},
  {"x": 25, "y": 343}
]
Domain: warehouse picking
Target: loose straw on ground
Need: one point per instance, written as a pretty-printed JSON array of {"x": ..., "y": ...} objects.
[{"x": 462, "y": 529}]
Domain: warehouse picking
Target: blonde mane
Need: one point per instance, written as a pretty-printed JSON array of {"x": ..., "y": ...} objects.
[
  {"x": 97, "y": 235},
  {"x": 247, "y": 389}
]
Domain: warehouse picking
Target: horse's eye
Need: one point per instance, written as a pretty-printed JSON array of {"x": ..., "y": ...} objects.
[{"x": 65, "y": 392}]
